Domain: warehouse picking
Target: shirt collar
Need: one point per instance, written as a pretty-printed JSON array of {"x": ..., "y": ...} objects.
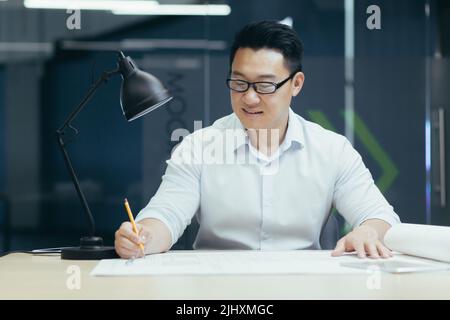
[
  {"x": 242, "y": 137},
  {"x": 294, "y": 132}
]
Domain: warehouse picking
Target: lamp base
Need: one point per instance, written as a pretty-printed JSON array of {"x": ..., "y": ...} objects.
[{"x": 91, "y": 248}]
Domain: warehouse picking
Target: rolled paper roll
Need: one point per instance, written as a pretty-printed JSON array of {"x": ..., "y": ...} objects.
[{"x": 426, "y": 241}]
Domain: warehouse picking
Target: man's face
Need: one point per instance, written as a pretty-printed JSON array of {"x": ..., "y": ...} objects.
[{"x": 263, "y": 111}]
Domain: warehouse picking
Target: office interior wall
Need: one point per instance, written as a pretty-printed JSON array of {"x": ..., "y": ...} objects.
[
  {"x": 31, "y": 34},
  {"x": 3, "y": 210},
  {"x": 390, "y": 102},
  {"x": 438, "y": 38},
  {"x": 2, "y": 129},
  {"x": 22, "y": 150},
  {"x": 440, "y": 173}
]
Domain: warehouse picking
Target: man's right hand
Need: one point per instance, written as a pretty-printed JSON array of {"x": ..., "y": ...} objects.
[{"x": 127, "y": 242}]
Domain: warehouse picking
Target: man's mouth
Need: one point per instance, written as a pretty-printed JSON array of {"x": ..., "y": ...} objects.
[{"x": 252, "y": 112}]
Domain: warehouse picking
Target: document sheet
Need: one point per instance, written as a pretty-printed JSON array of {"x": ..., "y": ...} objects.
[{"x": 199, "y": 262}]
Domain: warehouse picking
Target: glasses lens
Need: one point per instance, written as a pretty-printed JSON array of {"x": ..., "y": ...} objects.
[
  {"x": 237, "y": 85},
  {"x": 265, "y": 87}
]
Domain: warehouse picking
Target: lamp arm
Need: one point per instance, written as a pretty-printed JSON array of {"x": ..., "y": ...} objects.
[
  {"x": 103, "y": 78},
  {"x": 62, "y": 145}
]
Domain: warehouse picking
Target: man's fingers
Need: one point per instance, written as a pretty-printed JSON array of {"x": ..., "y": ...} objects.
[
  {"x": 371, "y": 249},
  {"x": 126, "y": 253},
  {"x": 126, "y": 225},
  {"x": 384, "y": 252},
  {"x": 144, "y": 235},
  {"x": 126, "y": 230},
  {"x": 359, "y": 248},
  {"x": 339, "y": 249},
  {"x": 126, "y": 243},
  {"x": 118, "y": 244}
]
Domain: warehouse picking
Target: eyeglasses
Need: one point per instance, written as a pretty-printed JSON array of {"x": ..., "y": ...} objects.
[{"x": 262, "y": 87}]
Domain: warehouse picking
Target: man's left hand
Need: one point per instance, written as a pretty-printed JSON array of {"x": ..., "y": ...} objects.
[{"x": 364, "y": 240}]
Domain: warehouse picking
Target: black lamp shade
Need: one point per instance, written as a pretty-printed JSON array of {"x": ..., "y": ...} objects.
[{"x": 141, "y": 92}]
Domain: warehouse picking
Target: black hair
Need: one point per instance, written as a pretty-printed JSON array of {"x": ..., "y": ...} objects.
[{"x": 271, "y": 35}]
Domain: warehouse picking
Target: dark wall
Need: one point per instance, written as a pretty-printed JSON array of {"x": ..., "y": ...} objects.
[
  {"x": 390, "y": 99},
  {"x": 443, "y": 12},
  {"x": 3, "y": 218},
  {"x": 2, "y": 130}
]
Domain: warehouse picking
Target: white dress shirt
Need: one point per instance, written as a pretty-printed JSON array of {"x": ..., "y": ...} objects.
[{"x": 243, "y": 199}]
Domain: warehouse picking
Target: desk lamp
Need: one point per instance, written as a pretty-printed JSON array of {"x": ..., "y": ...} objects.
[{"x": 140, "y": 94}]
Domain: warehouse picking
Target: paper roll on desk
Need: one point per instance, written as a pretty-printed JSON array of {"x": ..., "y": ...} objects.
[{"x": 432, "y": 242}]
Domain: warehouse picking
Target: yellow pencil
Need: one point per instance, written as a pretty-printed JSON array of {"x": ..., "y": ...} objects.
[{"x": 130, "y": 215}]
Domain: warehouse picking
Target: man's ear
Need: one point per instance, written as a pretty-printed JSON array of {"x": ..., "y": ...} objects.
[{"x": 297, "y": 82}]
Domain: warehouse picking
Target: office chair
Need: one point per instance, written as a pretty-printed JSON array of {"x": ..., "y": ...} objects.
[{"x": 330, "y": 232}]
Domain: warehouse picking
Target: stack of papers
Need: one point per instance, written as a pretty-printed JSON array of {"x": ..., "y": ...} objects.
[{"x": 258, "y": 262}]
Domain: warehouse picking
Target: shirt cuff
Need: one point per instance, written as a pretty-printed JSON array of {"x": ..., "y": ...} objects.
[
  {"x": 146, "y": 214},
  {"x": 391, "y": 218}
]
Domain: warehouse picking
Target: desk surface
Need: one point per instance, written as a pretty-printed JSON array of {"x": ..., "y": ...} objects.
[{"x": 25, "y": 276}]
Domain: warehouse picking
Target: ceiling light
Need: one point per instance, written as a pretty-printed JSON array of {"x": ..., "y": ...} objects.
[
  {"x": 183, "y": 10},
  {"x": 107, "y": 5}
]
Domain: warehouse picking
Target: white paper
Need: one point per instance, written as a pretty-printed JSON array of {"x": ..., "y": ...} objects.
[
  {"x": 432, "y": 242},
  {"x": 234, "y": 262}
]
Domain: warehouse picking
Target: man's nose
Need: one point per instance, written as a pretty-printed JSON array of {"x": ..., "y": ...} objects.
[{"x": 251, "y": 96}]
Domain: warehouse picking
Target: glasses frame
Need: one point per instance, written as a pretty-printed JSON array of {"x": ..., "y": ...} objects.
[{"x": 277, "y": 85}]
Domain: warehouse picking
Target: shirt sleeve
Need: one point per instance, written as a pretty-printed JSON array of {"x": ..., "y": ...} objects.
[
  {"x": 178, "y": 196},
  {"x": 356, "y": 196}
]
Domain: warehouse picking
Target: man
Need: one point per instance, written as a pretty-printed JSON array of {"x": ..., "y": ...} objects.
[{"x": 298, "y": 170}]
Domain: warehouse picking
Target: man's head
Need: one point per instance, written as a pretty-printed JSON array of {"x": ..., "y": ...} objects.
[
  {"x": 267, "y": 52},
  {"x": 271, "y": 35}
]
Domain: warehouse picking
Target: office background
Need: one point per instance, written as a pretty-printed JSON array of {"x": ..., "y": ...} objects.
[{"x": 382, "y": 88}]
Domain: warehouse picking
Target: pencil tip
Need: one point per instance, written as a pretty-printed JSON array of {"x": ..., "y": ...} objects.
[{"x": 126, "y": 200}]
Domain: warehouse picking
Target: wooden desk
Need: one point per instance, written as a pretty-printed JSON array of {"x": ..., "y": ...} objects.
[{"x": 25, "y": 276}]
